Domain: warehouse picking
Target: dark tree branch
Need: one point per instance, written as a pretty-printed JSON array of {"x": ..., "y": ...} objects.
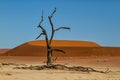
[
  {"x": 41, "y": 20},
  {"x": 53, "y": 12},
  {"x": 50, "y": 19},
  {"x": 62, "y": 28},
  {"x": 40, "y": 26},
  {"x": 40, "y": 35},
  {"x": 43, "y": 31},
  {"x": 52, "y": 26},
  {"x": 58, "y": 50}
]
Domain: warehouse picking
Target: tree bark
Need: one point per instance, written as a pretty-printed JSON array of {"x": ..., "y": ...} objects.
[{"x": 49, "y": 57}]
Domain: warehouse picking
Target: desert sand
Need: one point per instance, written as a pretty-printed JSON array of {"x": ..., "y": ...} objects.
[
  {"x": 99, "y": 63},
  {"x": 78, "y": 53}
]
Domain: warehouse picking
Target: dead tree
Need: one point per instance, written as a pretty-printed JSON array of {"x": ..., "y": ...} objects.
[{"x": 50, "y": 50}]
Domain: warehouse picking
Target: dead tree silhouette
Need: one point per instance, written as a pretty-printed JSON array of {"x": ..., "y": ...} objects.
[{"x": 50, "y": 50}]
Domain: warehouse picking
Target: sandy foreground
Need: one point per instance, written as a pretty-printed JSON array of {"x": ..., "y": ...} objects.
[{"x": 99, "y": 63}]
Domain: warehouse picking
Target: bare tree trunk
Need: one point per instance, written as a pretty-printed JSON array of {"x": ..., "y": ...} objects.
[
  {"x": 49, "y": 57},
  {"x": 49, "y": 41}
]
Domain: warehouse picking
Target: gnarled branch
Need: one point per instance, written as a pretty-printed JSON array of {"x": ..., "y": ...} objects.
[
  {"x": 62, "y": 28},
  {"x": 40, "y": 35},
  {"x": 39, "y": 26},
  {"x": 58, "y": 50},
  {"x": 43, "y": 31},
  {"x": 52, "y": 26},
  {"x": 41, "y": 20},
  {"x": 53, "y": 12}
]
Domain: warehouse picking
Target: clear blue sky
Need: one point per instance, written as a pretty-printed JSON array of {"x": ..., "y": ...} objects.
[{"x": 90, "y": 20}]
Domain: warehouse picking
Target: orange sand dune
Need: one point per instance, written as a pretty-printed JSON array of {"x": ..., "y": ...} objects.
[
  {"x": 72, "y": 48},
  {"x": 63, "y": 43},
  {"x": 2, "y": 51}
]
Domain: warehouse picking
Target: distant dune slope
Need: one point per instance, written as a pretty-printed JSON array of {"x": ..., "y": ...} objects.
[
  {"x": 64, "y": 43},
  {"x": 72, "y": 48},
  {"x": 2, "y": 51}
]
